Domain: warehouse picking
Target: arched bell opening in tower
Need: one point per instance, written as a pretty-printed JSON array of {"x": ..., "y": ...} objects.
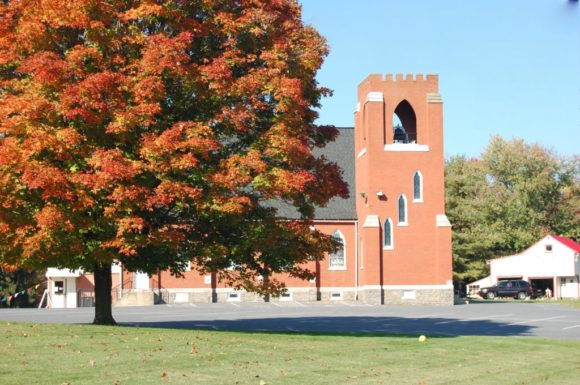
[{"x": 404, "y": 124}]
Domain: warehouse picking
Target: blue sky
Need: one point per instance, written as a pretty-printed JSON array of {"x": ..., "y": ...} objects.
[{"x": 507, "y": 67}]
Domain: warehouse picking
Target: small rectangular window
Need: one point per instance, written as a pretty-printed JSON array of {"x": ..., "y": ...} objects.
[
  {"x": 59, "y": 287},
  {"x": 287, "y": 296},
  {"x": 336, "y": 295},
  {"x": 233, "y": 297},
  {"x": 548, "y": 248}
]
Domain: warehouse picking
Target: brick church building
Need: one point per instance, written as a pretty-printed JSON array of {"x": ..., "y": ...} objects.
[{"x": 396, "y": 236}]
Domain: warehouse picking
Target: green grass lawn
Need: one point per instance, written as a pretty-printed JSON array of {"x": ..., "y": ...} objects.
[
  {"x": 86, "y": 354},
  {"x": 564, "y": 302}
]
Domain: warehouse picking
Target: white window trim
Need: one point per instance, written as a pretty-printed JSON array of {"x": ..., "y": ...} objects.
[
  {"x": 343, "y": 267},
  {"x": 406, "y": 222},
  {"x": 406, "y": 147},
  {"x": 420, "y": 200},
  {"x": 389, "y": 221}
]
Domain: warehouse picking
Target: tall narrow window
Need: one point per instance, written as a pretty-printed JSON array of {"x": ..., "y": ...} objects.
[
  {"x": 402, "y": 210},
  {"x": 388, "y": 234},
  {"x": 417, "y": 187},
  {"x": 337, "y": 260}
]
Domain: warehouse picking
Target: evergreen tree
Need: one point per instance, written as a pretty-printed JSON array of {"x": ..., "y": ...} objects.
[{"x": 506, "y": 200}]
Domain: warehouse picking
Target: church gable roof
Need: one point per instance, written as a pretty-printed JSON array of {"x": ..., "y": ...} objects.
[{"x": 340, "y": 151}]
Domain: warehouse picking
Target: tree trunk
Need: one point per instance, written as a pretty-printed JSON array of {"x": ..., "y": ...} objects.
[
  {"x": 214, "y": 297},
  {"x": 103, "y": 299},
  {"x": 318, "y": 283}
]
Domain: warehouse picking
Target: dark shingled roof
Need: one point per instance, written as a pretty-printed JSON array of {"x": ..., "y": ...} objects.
[{"x": 340, "y": 151}]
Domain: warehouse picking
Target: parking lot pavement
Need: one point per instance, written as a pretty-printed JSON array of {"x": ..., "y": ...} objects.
[{"x": 486, "y": 318}]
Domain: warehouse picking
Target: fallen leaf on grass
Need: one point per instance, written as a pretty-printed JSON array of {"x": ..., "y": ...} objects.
[{"x": 164, "y": 376}]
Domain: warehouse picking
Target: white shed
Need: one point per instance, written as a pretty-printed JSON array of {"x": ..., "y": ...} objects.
[
  {"x": 61, "y": 287},
  {"x": 551, "y": 263}
]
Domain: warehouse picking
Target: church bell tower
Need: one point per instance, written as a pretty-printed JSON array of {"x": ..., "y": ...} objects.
[{"x": 404, "y": 235}]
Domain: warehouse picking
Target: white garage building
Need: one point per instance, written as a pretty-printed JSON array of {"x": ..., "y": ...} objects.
[{"x": 551, "y": 263}]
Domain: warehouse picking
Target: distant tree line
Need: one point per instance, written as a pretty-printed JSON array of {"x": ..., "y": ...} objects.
[{"x": 507, "y": 199}]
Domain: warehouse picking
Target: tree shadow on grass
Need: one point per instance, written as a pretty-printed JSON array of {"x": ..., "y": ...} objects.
[{"x": 352, "y": 325}]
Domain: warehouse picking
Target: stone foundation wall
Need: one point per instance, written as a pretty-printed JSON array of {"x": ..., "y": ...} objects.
[
  {"x": 372, "y": 296},
  {"x": 408, "y": 296},
  {"x": 419, "y": 297},
  {"x": 134, "y": 297},
  {"x": 186, "y": 296}
]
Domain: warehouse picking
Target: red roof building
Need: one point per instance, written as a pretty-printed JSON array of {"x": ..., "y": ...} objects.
[{"x": 551, "y": 263}]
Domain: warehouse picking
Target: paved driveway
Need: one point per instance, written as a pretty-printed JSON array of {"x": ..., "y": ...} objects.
[{"x": 490, "y": 318}]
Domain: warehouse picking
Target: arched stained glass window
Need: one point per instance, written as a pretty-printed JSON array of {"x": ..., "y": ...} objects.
[
  {"x": 388, "y": 234},
  {"x": 418, "y": 187},
  {"x": 337, "y": 260},
  {"x": 402, "y": 205}
]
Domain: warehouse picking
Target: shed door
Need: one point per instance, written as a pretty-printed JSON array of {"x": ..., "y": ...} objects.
[
  {"x": 568, "y": 287},
  {"x": 58, "y": 295}
]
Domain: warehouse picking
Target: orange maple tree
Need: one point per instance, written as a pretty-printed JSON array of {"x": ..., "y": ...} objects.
[{"x": 155, "y": 133}]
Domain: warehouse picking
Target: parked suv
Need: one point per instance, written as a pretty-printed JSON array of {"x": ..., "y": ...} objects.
[{"x": 516, "y": 288}]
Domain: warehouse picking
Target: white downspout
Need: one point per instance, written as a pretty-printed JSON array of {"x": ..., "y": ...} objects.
[{"x": 356, "y": 260}]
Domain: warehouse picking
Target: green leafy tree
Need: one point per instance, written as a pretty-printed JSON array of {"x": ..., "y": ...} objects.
[
  {"x": 507, "y": 200},
  {"x": 27, "y": 284},
  {"x": 154, "y": 132}
]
